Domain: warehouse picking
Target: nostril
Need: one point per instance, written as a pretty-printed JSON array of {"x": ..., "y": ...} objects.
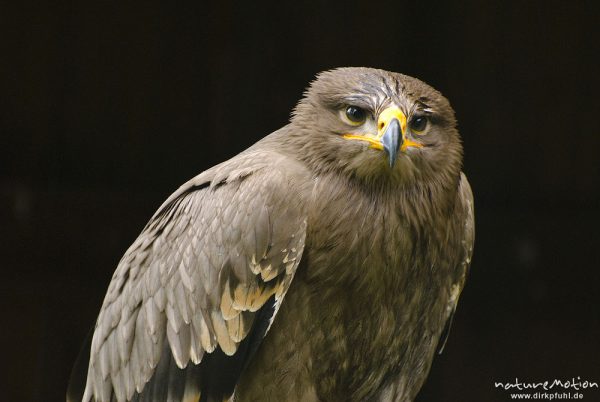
[{"x": 381, "y": 125}]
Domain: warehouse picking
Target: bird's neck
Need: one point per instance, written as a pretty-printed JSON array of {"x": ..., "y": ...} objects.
[{"x": 348, "y": 214}]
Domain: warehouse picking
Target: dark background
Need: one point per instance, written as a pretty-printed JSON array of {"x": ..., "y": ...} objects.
[{"x": 106, "y": 109}]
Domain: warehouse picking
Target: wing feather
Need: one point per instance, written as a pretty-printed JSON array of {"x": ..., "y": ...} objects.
[
  {"x": 466, "y": 215},
  {"x": 193, "y": 282}
]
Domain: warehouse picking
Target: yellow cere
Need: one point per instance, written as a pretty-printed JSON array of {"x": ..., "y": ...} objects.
[{"x": 392, "y": 112}]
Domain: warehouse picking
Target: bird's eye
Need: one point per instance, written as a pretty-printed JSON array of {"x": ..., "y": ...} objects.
[
  {"x": 356, "y": 115},
  {"x": 418, "y": 124}
]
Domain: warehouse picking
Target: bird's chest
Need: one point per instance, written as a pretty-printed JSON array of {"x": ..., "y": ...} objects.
[
  {"x": 363, "y": 244},
  {"x": 377, "y": 288}
]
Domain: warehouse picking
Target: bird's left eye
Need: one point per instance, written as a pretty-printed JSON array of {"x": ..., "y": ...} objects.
[
  {"x": 356, "y": 115},
  {"x": 418, "y": 124}
]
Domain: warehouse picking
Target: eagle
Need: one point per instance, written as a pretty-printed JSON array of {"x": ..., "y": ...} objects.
[{"x": 323, "y": 263}]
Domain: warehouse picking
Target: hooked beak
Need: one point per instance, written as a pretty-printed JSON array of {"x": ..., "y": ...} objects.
[
  {"x": 392, "y": 140},
  {"x": 391, "y": 134}
]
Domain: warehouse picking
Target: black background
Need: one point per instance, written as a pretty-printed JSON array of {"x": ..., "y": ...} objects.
[{"x": 105, "y": 109}]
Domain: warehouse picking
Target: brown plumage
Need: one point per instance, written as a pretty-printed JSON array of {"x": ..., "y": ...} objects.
[{"x": 321, "y": 264}]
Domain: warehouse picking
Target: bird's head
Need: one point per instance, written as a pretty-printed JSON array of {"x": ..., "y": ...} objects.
[{"x": 378, "y": 124}]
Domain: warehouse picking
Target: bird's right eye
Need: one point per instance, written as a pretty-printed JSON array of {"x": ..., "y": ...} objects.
[{"x": 355, "y": 115}]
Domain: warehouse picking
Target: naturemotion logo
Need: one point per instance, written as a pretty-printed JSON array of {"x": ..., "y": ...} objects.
[{"x": 560, "y": 389}]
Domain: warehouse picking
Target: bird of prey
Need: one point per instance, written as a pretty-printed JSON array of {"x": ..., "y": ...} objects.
[{"x": 323, "y": 263}]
